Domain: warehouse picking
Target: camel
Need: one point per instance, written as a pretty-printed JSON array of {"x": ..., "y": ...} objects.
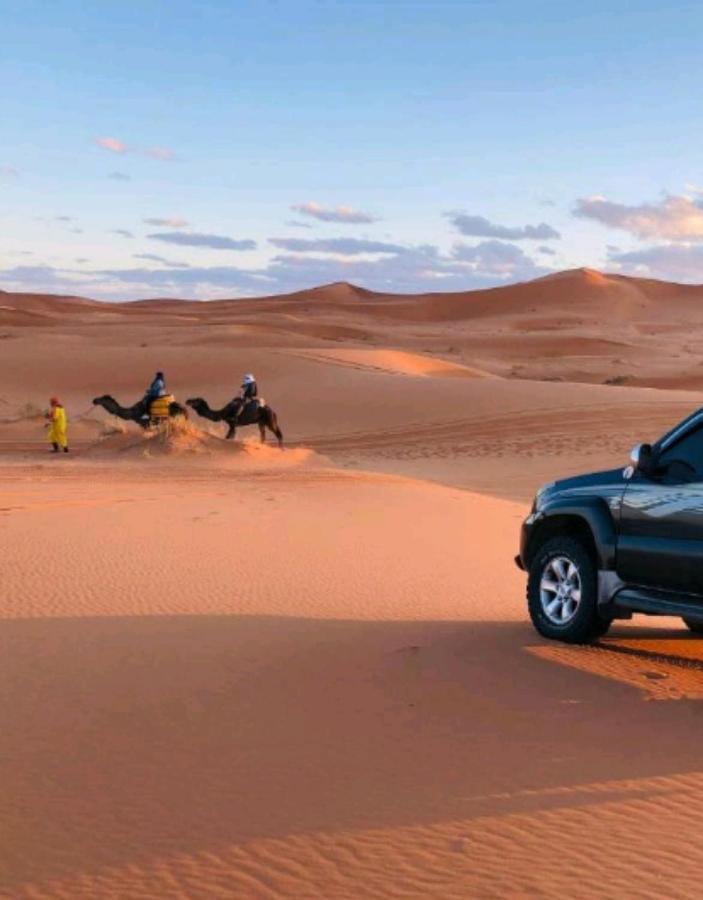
[
  {"x": 138, "y": 413},
  {"x": 253, "y": 414}
]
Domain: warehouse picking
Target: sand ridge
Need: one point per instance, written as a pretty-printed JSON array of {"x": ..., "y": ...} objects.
[{"x": 395, "y": 362}]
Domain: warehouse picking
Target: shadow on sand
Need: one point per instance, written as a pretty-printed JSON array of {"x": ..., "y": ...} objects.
[{"x": 126, "y": 739}]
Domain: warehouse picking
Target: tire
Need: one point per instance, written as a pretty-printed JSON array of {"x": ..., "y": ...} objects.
[
  {"x": 694, "y": 626},
  {"x": 562, "y": 592},
  {"x": 602, "y": 627}
]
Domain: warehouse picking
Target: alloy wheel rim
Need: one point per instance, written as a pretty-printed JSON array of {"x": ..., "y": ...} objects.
[{"x": 560, "y": 590}]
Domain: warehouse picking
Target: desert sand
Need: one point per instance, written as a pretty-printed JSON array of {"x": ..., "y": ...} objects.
[{"x": 237, "y": 671}]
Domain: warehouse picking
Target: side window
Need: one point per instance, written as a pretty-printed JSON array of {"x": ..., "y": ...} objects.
[{"x": 685, "y": 457}]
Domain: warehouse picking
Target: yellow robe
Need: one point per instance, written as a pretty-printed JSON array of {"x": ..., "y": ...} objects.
[{"x": 57, "y": 426}]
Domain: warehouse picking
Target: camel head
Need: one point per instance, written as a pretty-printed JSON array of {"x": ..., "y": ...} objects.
[
  {"x": 98, "y": 401},
  {"x": 196, "y": 403}
]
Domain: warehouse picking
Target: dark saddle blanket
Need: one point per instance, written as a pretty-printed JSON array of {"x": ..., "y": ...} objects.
[{"x": 251, "y": 408}]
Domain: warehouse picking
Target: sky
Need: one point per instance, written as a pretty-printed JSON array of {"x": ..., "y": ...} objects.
[{"x": 223, "y": 148}]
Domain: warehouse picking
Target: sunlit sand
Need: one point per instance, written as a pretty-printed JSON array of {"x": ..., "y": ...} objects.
[{"x": 236, "y": 670}]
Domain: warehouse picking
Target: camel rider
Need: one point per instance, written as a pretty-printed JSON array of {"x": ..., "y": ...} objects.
[
  {"x": 57, "y": 426},
  {"x": 156, "y": 389},
  {"x": 247, "y": 393}
]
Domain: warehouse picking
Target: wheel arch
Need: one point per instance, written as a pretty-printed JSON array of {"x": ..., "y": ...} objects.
[{"x": 590, "y": 523}]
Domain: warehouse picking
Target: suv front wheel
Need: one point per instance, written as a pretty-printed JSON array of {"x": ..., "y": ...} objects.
[{"x": 562, "y": 593}]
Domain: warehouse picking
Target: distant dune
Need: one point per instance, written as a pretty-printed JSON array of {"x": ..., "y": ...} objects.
[
  {"x": 579, "y": 325},
  {"x": 586, "y": 291}
]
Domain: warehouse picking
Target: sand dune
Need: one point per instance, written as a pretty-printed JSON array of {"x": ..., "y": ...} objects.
[
  {"x": 578, "y": 326},
  {"x": 231, "y": 670},
  {"x": 212, "y": 715}
]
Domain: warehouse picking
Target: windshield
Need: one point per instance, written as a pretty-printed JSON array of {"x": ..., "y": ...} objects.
[{"x": 678, "y": 430}]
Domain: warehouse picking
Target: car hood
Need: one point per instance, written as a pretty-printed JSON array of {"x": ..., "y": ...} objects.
[{"x": 603, "y": 484}]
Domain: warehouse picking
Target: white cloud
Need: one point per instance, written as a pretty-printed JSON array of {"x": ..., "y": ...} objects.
[
  {"x": 152, "y": 257},
  {"x": 341, "y": 246},
  {"x": 671, "y": 262},
  {"x": 114, "y": 145},
  {"x": 343, "y": 214},
  {"x": 193, "y": 239},
  {"x": 673, "y": 218},
  {"x": 163, "y": 153},
  {"x": 479, "y": 226},
  {"x": 173, "y": 222},
  {"x": 44, "y": 279},
  {"x": 495, "y": 258},
  {"x": 406, "y": 269}
]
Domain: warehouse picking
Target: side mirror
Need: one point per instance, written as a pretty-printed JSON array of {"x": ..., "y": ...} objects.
[{"x": 641, "y": 460}]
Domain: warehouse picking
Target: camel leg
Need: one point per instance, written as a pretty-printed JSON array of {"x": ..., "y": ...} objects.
[
  {"x": 273, "y": 425},
  {"x": 262, "y": 432},
  {"x": 230, "y": 431}
]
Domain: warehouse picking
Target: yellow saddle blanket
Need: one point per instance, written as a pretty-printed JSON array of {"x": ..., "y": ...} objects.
[{"x": 159, "y": 407}]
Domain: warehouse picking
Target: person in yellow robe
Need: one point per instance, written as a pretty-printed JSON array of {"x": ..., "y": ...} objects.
[{"x": 57, "y": 433}]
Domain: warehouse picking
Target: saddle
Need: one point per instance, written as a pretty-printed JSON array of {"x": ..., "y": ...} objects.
[
  {"x": 251, "y": 406},
  {"x": 159, "y": 408}
]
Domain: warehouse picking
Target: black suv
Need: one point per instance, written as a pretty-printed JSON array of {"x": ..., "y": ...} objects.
[{"x": 599, "y": 547}]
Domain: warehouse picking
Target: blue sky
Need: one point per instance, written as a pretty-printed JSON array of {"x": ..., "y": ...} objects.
[{"x": 211, "y": 149}]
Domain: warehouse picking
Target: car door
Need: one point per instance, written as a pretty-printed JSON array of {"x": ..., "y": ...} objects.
[{"x": 660, "y": 541}]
